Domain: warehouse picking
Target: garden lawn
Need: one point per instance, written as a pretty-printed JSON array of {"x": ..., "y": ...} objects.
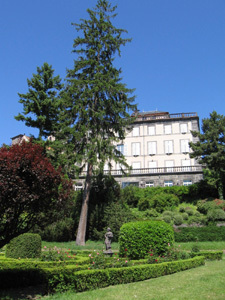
[{"x": 205, "y": 282}]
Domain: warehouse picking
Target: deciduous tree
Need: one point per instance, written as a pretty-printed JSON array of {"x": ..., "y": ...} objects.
[{"x": 31, "y": 190}]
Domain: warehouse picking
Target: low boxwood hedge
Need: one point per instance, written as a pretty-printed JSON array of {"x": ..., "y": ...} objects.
[
  {"x": 209, "y": 255},
  {"x": 201, "y": 234},
  {"x": 62, "y": 280},
  {"x": 72, "y": 277}
]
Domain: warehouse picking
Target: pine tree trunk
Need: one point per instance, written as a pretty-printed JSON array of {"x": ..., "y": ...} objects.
[{"x": 81, "y": 232}]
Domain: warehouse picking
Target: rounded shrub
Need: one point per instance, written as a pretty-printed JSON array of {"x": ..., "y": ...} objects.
[
  {"x": 27, "y": 245},
  {"x": 167, "y": 219},
  {"x": 167, "y": 213},
  {"x": 189, "y": 211},
  {"x": 163, "y": 201},
  {"x": 137, "y": 238},
  {"x": 182, "y": 209},
  {"x": 185, "y": 216},
  {"x": 177, "y": 219}
]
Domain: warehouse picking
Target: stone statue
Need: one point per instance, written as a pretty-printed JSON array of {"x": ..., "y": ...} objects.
[{"x": 108, "y": 240}]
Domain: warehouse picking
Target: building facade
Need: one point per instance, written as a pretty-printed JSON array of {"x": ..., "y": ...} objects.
[{"x": 157, "y": 149}]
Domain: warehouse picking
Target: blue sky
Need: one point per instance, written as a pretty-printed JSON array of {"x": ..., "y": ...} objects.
[{"x": 176, "y": 60}]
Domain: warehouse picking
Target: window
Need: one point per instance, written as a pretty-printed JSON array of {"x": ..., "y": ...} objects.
[
  {"x": 183, "y": 128},
  {"x": 168, "y": 129},
  {"x": 168, "y": 183},
  {"x": 120, "y": 148},
  {"x": 168, "y": 147},
  {"x": 136, "y": 166},
  {"x": 186, "y": 165},
  {"x": 151, "y": 130},
  {"x": 152, "y": 166},
  {"x": 149, "y": 184},
  {"x": 152, "y": 148},
  {"x": 136, "y": 149},
  {"x": 187, "y": 182},
  {"x": 136, "y": 131},
  {"x": 169, "y": 165},
  {"x": 184, "y": 145},
  {"x": 124, "y": 184}
]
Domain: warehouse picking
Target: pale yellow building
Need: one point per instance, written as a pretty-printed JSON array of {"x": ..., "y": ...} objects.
[{"x": 157, "y": 149}]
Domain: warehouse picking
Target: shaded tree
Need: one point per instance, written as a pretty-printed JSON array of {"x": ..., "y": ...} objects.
[
  {"x": 96, "y": 104},
  {"x": 31, "y": 190},
  {"x": 210, "y": 148},
  {"x": 41, "y": 102}
]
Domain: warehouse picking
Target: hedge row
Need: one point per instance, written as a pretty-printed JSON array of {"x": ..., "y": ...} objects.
[
  {"x": 58, "y": 281},
  {"x": 210, "y": 255},
  {"x": 64, "y": 278},
  {"x": 201, "y": 234}
]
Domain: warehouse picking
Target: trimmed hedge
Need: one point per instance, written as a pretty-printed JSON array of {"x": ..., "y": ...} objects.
[
  {"x": 27, "y": 245},
  {"x": 137, "y": 238},
  {"x": 201, "y": 234},
  {"x": 62, "y": 280},
  {"x": 209, "y": 255}
]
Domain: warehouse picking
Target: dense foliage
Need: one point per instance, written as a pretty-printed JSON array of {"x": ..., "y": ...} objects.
[
  {"x": 41, "y": 102},
  {"x": 31, "y": 190},
  {"x": 27, "y": 245},
  {"x": 201, "y": 234},
  {"x": 137, "y": 238},
  {"x": 210, "y": 148}
]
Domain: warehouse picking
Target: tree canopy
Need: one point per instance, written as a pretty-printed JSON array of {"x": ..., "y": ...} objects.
[
  {"x": 210, "y": 147},
  {"x": 41, "y": 102},
  {"x": 31, "y": 190}
]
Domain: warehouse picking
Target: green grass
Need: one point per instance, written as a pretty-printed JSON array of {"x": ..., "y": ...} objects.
[
  {"x": 206, "y": 282},
  {"x": 202, "y": 245},
  {"x": 90, "y": 245}
]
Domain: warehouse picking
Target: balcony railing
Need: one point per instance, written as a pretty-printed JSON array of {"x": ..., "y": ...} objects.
[
  {"x": 153, "y": 171},
  {"x": 165, "y": 116}
]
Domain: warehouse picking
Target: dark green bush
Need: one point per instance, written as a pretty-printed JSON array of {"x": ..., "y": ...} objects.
[
  {"x": 131, "y": 195},
  {"x": 197, "y": 220},
  {"x": 115, "y": 215},
  {"x": 160, "y": 202},
  {"x": 151, "y": 213},
  {"x": 61, "y": 231},
  {"x": 204, "y": 205},
  {"x": 137, "y": 238},
  {"x": 201, "y": 234},
  {"x": 27, "y": 245}
]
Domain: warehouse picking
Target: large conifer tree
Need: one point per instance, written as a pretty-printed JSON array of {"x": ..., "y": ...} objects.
[
  {"x": 210, "y": 148},
  {"x": 41, "y": 102},
  {"x": 97, "y": 105}
]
